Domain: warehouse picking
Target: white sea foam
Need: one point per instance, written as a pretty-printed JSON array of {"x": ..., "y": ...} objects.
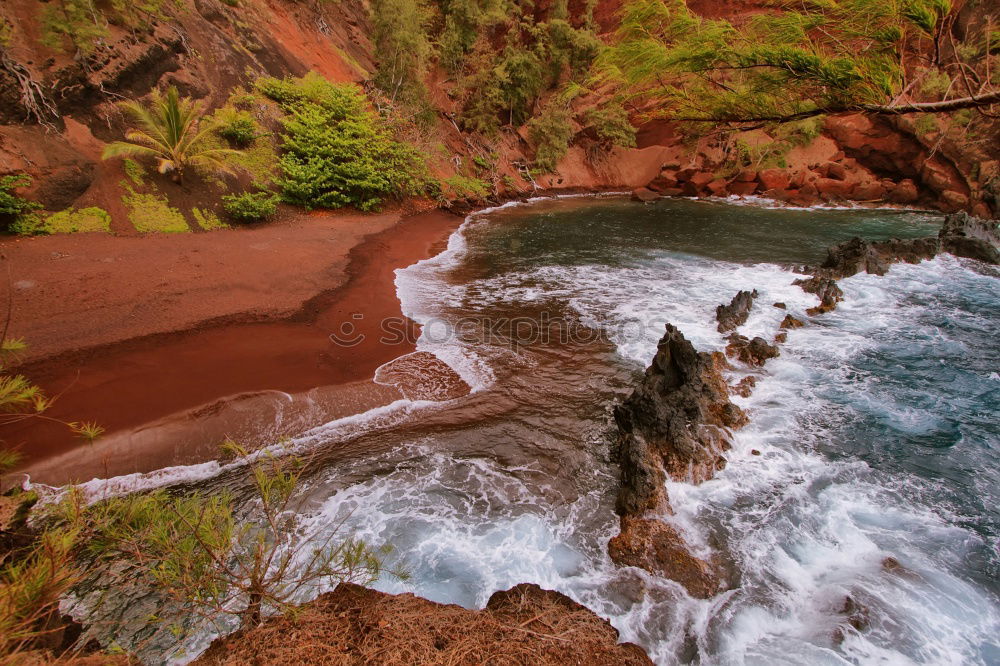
[
  {"x": 808, "y": 532},
  {"x": 810, "y": 535},
  {"x": 383, "y": 417}
]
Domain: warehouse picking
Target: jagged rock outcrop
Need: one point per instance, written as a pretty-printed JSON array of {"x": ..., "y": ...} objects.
[
  {"x": 858, "y": 255},
  {"x": 825, "y": 288},
  {"x": 753, "y": 352},
  {"x": 966, "y": 236},
  {"x": 677, "y": 422},
  {"x": 357, "y": 625},
  {"x": 961, "y": 235},
  {"x": 735, "y": 314},
  {"x": 660, "y": 549}
]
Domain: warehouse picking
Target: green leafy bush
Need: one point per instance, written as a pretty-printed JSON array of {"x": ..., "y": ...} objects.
[
  {"x": 237, "y": 127},
  {"x": 612, "y": 126},
  {"x": 462, "y": 187},
  {"x": 250, "y": 206},
  {"x": 202, "y": 557},
  {"x": 291, "y": 92},
  {"x": 551, "y": 133},
  {"x": 15, "y": 209},
  {"x": 336, "y": 151}
]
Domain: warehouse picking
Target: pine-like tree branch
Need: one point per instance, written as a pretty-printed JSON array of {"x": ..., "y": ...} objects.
[{"x": 971, "y": 102}]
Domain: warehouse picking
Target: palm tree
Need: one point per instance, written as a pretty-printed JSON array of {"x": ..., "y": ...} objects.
[{"x": 173, "y": 130}]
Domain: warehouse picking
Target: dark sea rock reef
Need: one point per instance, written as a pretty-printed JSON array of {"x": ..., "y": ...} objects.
[
  {"x": 735, "y": 314},
  {"x": 676, "y": 423},
  {"x": 965, "y": 236},
  {"x": 961, "y": 235}
]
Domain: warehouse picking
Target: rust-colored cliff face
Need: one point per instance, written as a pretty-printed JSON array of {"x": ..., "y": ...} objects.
[{"x": 206, "y": 47}]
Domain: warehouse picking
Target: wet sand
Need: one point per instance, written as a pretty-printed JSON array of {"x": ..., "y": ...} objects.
[{"x": 166, "y": 399}]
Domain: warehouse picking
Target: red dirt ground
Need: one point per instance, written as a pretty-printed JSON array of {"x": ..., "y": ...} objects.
[{"x": 193, "y": 318}]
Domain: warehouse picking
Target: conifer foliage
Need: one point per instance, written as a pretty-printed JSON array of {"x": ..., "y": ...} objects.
[{"x": 792, "y": 61}]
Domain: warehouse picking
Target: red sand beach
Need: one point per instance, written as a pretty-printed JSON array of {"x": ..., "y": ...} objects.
[{"x": 231, "y": 337}]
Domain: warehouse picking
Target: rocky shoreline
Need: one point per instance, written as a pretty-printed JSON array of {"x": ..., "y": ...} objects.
[
  {"x": 678, "y": 421},
  {"x": 856, "y": 159}
]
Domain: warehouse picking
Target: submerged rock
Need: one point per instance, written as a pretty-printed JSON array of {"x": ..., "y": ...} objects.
[
  {"x": 736, "y": 313},
  {"x": 660, "y": 549},
  {"x": 644, "y": 194},
  {"x": 753, "y": 352}
]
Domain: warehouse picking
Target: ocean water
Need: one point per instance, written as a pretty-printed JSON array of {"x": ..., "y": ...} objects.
[{"x": 866, "y": 530}]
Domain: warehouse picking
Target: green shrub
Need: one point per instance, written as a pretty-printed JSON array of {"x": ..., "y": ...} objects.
[
  {"x": 800, "y": 132},
  {"x": 925, "y": 124},
  {"x": 462, "y": 187},
  {"x": 570, "y": 47},
  {"x": 237, "y": 127},
  {"x": 14, "y": 209},
  {"x": 250, "y": 206},
  {"x": 551, "y": 133},
  {"x": 336, "y": 151},
  {"x": 201, "y": 555},
  {"x": 292, "y": 92},
  {"x": 31, "y": 224},
  {"x": 612, "y": 126}
]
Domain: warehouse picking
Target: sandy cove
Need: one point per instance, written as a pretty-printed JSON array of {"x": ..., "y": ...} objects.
[{"x": 231, "y": 337}]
